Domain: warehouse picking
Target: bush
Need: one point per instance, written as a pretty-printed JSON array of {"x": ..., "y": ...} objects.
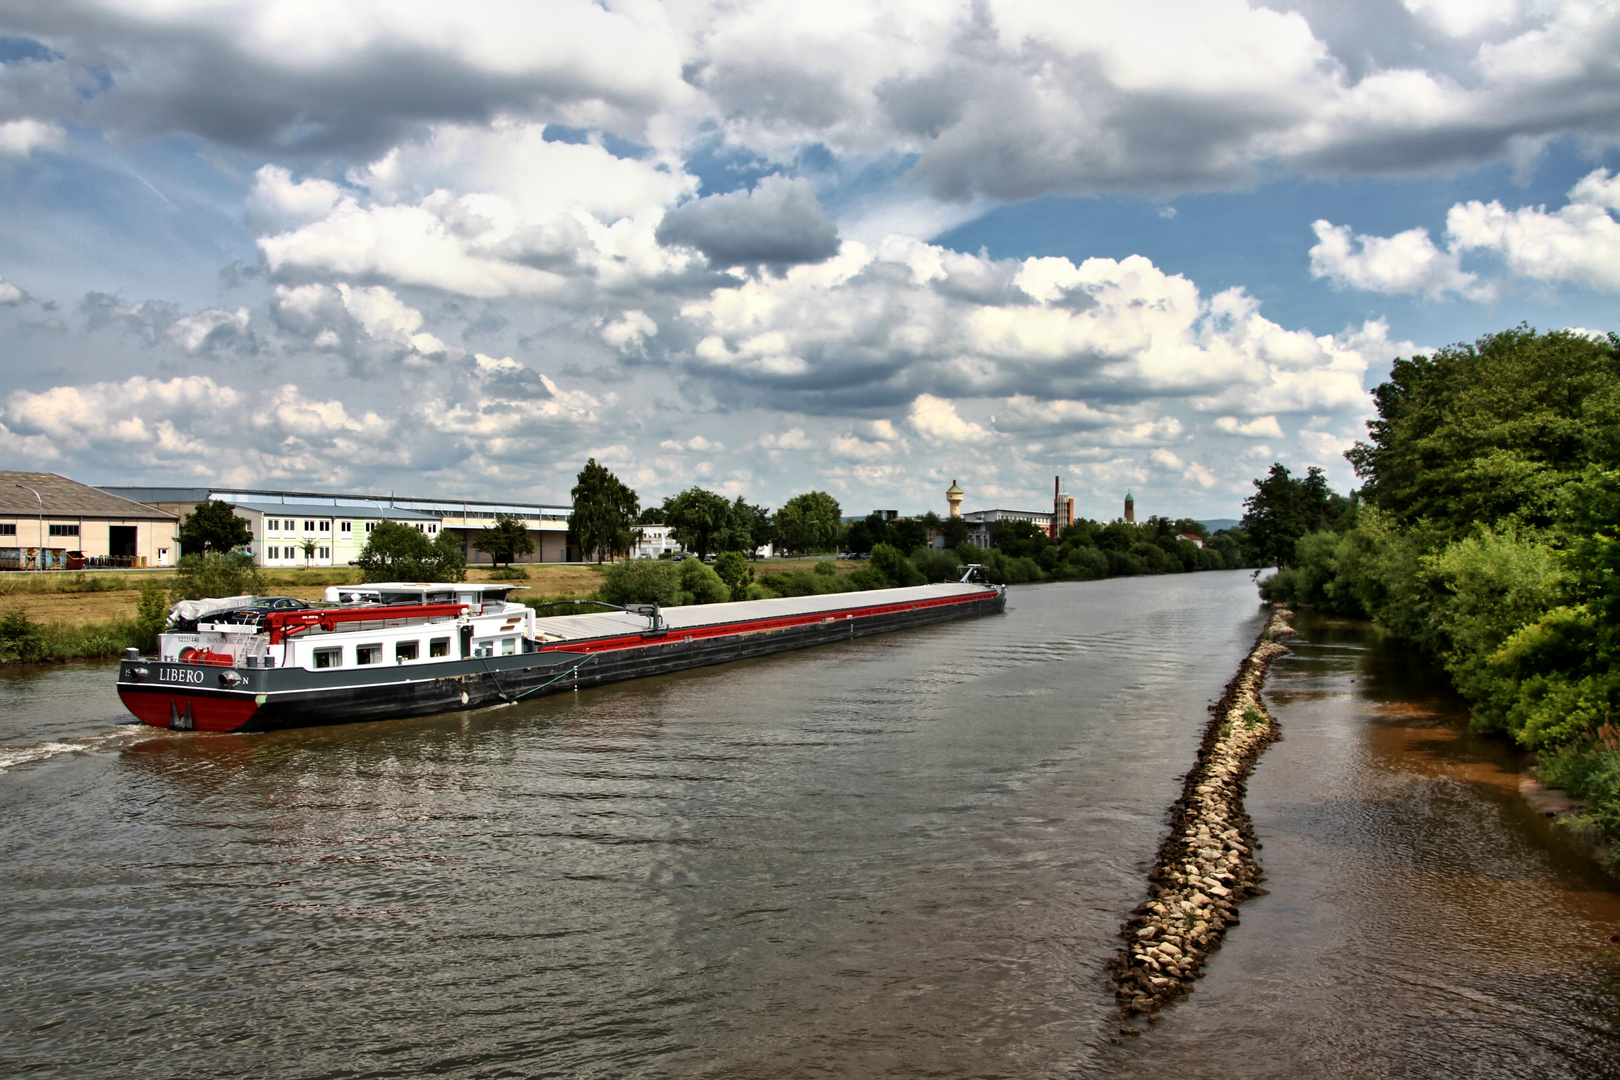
[
  {"x": 733, "y": 569},
  {"x": 211, "y": 574},
  {"x": 701, "y": 585},
  {"x": 21, "y": 638},
  {"x": 802, "y": 582},
  {"x": 1085, "y": 564},
  {"x": 891, "y": 563},
  {"x": 826, "y": 568},
  {"x": 936, "y": 565},
  {"x": 151, "y": 614},
  {"x": 641, "y": 583}
]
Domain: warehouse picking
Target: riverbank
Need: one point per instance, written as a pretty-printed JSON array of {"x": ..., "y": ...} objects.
[{"x": 1206, "y": 867}]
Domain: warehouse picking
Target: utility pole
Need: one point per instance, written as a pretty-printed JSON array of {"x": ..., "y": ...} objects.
[{"x": 25, "y": 487}]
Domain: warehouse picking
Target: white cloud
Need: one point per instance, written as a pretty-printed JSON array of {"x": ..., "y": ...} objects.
[
  {"x": 628, "y": 333},
  {"x": 487, "y": 213},
  {"x": 1261, "y": 427},
  {"x": 791, "y": 439},
  {"x": 362, "y": 322},
  {"x": 1407, "y": 262},
  {"x": 936, "y": 420},
  {"x": 10, "y": 295},
  {"x": 20, "y": 138},
  {"x": 205, "y": 329},
  {"x": 1580, "y": 242}
]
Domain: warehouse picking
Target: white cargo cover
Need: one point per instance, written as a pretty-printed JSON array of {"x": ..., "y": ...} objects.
[{"x": 618, "y": 623}]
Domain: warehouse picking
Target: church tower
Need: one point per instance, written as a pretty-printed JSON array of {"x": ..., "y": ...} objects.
[
  {"x": 953, "y": 495},
  {"x": 1130, "y": 507}
]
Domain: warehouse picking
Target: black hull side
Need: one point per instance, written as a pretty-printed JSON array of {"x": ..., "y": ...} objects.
[{"x": 478, "y": 684}]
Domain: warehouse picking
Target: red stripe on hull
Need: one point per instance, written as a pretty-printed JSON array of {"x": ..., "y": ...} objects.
[
  {"x": 752, "y": 626},
  {"x": 188, "y": 712}
]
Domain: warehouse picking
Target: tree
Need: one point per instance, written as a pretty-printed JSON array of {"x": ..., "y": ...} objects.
[
  {"x": 1021, "y": 539},
  {"x": 955, "y": 532},
  {"x": 698, "y": 518},
  {"x": 1283, "y": 509},
  {"x": 808, "y": 522},
  {"x": 734, "y": 570},
  {"x": 308, "y": 547},
  {"x": 504, "y": 541},
  {"x": 213, "y": 526},
  {"x": 747, "y": 530},
  {"x": 210, "y": 574},
  {"x": 396, "y": 552},
  {"x": 604, "y": 511}
]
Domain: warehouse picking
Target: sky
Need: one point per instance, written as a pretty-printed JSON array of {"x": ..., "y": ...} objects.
[{"x": 767, "y": 247}]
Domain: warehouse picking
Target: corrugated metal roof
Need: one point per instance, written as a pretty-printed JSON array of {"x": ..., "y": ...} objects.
[
  {"x": 66, "y": 498},
  {"x": 326, "y": 510},
  {"x": 616, "y": 623}
]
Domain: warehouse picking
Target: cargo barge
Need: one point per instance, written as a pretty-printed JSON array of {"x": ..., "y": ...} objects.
[{"x": 393, "y": 650}]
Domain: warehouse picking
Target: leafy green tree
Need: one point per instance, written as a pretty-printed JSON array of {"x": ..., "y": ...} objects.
[
  {"x": 700, "y": 584},
  {"x": 506, "y": 540},
  {"x": 641, "y": 582},
  {"x": 955, "y": 532},
  {"x": 213, "y": 526},
  {"x": 808, "y": 522},
  {"x": 308, "y": 548},
  {"x": 1490, "y": 432},
  {"x": 698, "y": 519},
  {"x": 212, "y": 574},
  {"x": 398, "y": 552},
  {"x": 604, "y": 511},
  {"x": 908, "y": 534},
  {"x": 1284, "y": 508},
  {"x": 151, "y": 614},
  {"x": 733, "y": 568},
  {"x": 1021, "y": 539},
  {"x": 747, "y": 530}
]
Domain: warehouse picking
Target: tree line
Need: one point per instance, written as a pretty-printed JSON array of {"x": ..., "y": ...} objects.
[{"x": 1486, "y": 532}]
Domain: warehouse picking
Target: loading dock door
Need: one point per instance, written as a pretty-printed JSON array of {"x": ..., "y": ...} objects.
[{"x": 121, "y": 540}]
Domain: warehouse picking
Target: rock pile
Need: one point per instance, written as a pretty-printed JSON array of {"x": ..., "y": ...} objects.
[{"x": 1206, "y": 867}]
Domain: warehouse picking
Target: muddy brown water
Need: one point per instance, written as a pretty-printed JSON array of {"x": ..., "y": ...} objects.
[{"x": 907, "y": 856}]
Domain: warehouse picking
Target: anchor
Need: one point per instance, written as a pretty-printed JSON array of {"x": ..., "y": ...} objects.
[{"x": 179, "y": 721}]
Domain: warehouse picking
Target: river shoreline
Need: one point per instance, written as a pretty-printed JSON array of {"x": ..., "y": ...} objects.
[{"x": 1206, "y": 867}]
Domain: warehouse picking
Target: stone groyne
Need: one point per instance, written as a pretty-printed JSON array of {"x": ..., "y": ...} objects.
[{"x": 1206, "y": 867}]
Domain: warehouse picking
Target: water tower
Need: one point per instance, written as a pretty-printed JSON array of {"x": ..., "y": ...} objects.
[{"x": 953, "y": 495}]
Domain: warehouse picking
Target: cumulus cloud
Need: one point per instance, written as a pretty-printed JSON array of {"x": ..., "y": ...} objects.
[
  {"x": 936, "y": 420},
  {"x": 1261, "y": 427},
  {"x": 20, "y": 138},
  {"x": 1407, "y": 262},
  {"x": 364, "y": 324},
  {"x": 777, "y": 224},
  {"x": 1579, "y": 243},
  {"x": 489, "y": 212},
  {"x": 881, "y": 326},
  {"x": 10, "y": 295},
  {"x": 207, "y": 329}
]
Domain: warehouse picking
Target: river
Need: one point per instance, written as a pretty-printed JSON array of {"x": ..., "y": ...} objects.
[{"x": 904, "y": 856}]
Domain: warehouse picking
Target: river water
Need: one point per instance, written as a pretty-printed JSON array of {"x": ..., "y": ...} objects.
[{"x": 903, "y": 856}]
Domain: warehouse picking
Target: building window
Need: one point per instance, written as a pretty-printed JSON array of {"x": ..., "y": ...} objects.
[
  {"x": 326, "y": 526},
  {"x": 324, "y": 553},
  {"x": 368, "y": 654},
  {"x": 272, "y": 553},
  {"x": 309, "y": 526},
  {"x": 347, "y": 526},
  {"x": 439, "y": 646},
  {"x": 370, "y": 525},
  {"x": 433, "y": 528},
  {"x": 8, "y": 530},
  {"x": 64, "y": 530},
  {"x": 329, "y": 657},
  {"x": 272, "y": 525},
  {"x": 405, "y": 650}
]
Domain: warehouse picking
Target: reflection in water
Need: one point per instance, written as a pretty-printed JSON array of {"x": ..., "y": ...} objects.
[{"x": 904, "y": 855}]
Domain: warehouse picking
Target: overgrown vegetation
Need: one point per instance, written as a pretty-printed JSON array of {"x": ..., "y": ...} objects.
[{"x": 1488, "y": 534}]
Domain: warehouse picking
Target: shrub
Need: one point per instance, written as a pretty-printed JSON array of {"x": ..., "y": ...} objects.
[
  {"x": 211, "y": 574},
  {"x": 641, "y": 583},
  {"x": 733, "y": 569},
  {"x": 826, "y": 568},
  {"x": 897, "y": 570},
  {"x": 701, "y": 585},
  {"x": 936, "y": 565}
]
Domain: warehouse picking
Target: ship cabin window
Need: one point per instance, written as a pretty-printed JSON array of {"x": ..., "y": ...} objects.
[
  {"x": 329, "y": 657},
  {"x": 439, "y": 646},
  {"x": 508, "y": 646},
  {"x": 405, "y": 650},
  {"x": 368, "y": 654}
]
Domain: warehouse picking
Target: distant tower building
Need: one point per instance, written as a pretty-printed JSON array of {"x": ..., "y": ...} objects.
[
  {"x": 953, "y": 495},
  {"x": 1130, "y": 507},
  {"x": 1062, "y": 509}
]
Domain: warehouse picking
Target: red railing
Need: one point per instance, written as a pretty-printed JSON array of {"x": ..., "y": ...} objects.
[{"x": 283, "y": 624}]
